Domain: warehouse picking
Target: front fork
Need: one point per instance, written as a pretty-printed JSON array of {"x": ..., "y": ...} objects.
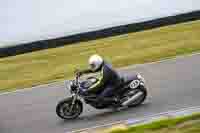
[{"x": 74, "y": 98}]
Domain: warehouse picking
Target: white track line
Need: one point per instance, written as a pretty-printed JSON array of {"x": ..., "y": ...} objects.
[
  {"x": 28, "y": 89},
  {"x": 162, "y": 60},
  {"x": 123, "y": 68},
  {"x": 137, "y": 119}
]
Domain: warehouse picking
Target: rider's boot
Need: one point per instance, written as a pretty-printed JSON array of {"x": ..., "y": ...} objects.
[{"x": 110, "y": 100}]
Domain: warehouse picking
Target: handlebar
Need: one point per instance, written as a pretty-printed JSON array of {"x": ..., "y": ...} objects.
[{"x": 77, "y": 79}]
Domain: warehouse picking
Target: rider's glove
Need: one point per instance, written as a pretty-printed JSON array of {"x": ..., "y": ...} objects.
[{"x": 78, "y": 73}]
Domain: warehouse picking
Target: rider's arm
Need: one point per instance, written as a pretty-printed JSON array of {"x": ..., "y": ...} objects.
[
  {"x": 97, "y": 85},
  {"x": 101, "y": 82},
  {"x": 86, "y": 71}
]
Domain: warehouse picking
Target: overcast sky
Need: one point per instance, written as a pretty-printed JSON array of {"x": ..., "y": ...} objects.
[{"x": 30, "y": 20}]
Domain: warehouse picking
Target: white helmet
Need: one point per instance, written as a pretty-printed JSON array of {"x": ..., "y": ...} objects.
[{"x": 95, "y": 62}]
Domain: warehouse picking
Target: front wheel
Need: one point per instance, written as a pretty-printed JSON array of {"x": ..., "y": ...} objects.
[{"x": 64, "y": 110}]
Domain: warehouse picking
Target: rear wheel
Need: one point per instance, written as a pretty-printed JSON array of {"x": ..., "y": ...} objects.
[
  {"x": 143, "y": 94},
  {"x": 64, "y": 111},
  {"x": 141, "y": 99}
]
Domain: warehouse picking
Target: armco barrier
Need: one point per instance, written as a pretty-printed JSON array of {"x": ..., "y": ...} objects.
[{"x": 135, "y": 27}]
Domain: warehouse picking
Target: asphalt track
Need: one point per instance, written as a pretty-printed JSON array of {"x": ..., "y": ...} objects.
[{"x": 173, "y": 84}]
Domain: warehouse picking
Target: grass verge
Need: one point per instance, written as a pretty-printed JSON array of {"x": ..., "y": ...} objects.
[
  {"x": 187, "y": 124},
  {"x": 57, "y": 64}
]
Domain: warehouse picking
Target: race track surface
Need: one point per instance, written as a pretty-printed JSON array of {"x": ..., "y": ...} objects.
[{"x": 172, "y": 84}]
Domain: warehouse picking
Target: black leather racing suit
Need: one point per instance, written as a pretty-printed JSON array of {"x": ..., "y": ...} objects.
[{"x": 109, "y": 80}]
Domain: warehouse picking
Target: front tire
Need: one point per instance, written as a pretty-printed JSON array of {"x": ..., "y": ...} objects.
[{"x": 63, "y": 109}]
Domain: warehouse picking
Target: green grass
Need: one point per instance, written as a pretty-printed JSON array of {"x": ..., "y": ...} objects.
[
  {"x": 187, "y": 124},
  {"x": 57, "y": 64}
]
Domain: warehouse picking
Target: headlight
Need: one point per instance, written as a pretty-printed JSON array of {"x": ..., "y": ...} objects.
[
  {"x": 68, "y": 84},
  {"x": 71, "y": 83},
  {"x": 140, "y": 77}
]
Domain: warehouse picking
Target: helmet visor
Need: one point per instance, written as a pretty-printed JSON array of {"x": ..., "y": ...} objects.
[{"x": 92, "y": 66}]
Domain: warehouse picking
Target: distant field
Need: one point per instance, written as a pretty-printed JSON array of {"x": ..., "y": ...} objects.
[{"x": 57, "y": 64}]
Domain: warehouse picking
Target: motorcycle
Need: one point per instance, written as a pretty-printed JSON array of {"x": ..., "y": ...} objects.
[{"x": 131, "y": 92}]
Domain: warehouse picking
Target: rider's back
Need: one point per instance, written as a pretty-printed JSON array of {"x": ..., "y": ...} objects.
[{"x": 110, "y": 75}]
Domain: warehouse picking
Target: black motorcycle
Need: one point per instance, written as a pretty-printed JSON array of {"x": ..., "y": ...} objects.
[{"x": 131, "y": 92}]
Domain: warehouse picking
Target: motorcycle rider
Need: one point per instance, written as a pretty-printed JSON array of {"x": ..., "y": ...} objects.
[{"x": 109, "y": 79}]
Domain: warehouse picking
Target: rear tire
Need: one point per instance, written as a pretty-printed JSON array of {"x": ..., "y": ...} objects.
[
  {"x": 63, "y": 109},
  {"x": 141, "y": 99}
]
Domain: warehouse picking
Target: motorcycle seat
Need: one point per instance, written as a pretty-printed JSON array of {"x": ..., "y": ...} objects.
[{"x": 128, "y": 78}]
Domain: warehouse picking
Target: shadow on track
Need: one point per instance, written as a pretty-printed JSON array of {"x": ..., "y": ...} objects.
[{"x": 108, "y": 114}]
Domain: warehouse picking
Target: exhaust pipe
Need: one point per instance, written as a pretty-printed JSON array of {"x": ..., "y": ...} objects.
[{"x": 133, "y": 98}]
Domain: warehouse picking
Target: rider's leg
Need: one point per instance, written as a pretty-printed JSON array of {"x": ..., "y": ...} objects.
[{"x": 106, "y": 95}]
